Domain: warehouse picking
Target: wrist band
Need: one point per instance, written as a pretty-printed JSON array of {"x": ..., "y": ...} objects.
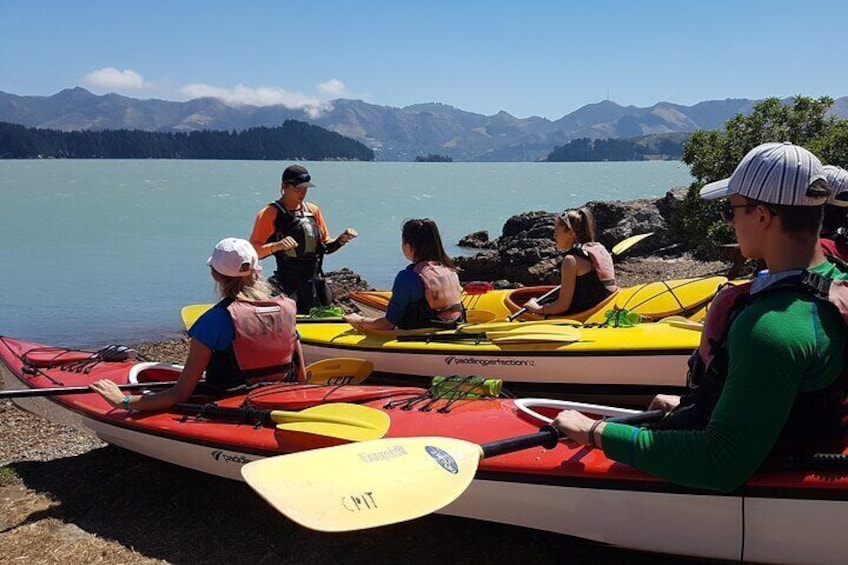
[
  {"x": 126, "y": 402},
  {"x": 592, "y": 429}
]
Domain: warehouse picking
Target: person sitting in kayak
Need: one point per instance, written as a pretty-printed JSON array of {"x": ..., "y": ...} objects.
[
  {"x": 427, "y": 293},
  {"x": 294, "y": 231},
  {"x": 834, "y": 234},
  {"x": 587, "y": 274},
  {"x": 769, "y": 377},
  {"x": 249, "y": 337}
]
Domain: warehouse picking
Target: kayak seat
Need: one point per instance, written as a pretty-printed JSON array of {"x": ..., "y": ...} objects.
[{"x": 516, "y": 299}]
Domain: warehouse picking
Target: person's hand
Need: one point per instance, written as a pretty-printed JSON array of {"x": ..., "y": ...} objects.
[
  {"x": 355, "y": 320},
  {"x": 664, "y": 402},
  {"x": 347, "y": 235},
  {"x": 574, "y": 426},
  {"x": 285, "y": 244},
  {"x": 532, "y": 305},
  {"x": 108, "y": 390}
]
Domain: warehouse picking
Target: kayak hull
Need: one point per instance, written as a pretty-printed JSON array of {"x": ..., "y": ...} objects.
[
  {"x": 626, "y": 365},
  {"x": 786, "y": 516},
  {"x": 653, "y": 301}
]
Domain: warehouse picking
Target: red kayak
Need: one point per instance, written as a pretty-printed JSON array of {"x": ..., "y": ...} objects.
[{"x": 785, "y": 516}]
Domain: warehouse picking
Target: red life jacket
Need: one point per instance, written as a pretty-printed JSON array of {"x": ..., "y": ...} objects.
[
  {"x": 264, "y": 342},
  {"x": 441, "y": 289},
  {"x": 602, "y": 262}
]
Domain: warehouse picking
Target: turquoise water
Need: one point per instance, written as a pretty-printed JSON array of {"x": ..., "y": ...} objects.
[{"x": 100, "y": 252}]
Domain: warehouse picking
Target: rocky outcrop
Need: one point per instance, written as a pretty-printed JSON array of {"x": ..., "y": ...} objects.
[
  {"x": 342, "y": 282},
  {"x": 525, "y": 252}
]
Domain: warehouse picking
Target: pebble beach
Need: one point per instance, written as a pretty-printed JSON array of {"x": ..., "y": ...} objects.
[{"x": 66, "y": 497}]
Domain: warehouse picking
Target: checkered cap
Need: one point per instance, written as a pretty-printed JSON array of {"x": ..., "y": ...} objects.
[{"x": 774, "y": 173}]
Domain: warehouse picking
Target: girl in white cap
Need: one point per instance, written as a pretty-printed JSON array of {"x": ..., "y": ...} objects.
[{"x": 248, "y": 338}]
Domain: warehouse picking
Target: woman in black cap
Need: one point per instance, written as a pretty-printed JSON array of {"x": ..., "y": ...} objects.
[{"x": 294, "y": 231}]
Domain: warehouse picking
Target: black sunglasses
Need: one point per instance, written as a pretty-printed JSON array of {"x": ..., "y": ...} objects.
[
  {"x": 301, "y": 178},
  {"x": 728, "y": 212}
]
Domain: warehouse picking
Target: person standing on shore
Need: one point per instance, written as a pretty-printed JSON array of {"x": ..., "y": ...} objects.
[
  {"x": 249, "y": 337},
  {"x": 587, "y": 276},
  {"x": 834, "y": 233},
  {"x": 769, "y": 377},
  {"x": 426, "y": 293},
  {"x": 295, "y": 233}
]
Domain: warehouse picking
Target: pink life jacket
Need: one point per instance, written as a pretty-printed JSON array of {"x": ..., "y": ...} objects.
[
  {"x": 602, "y": 262},
  {"x": 265, "y": 338},
  {"x": 441, "y": 289}
]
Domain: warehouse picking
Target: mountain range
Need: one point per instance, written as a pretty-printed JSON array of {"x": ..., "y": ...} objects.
[{"x": 395, "y": 134}]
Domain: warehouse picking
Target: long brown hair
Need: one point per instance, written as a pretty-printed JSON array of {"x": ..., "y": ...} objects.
[
  {"x": 579, "y": 221},
  {"x": 423, "y": 237}
]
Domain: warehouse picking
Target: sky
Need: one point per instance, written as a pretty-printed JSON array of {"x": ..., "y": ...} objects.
[{"x": 525, "y": 57}]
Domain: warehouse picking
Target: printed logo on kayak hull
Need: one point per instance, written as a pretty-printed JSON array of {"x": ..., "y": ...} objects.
[
  {"x": 489, "y": 361},
  {"x": 230, "y": 457}
]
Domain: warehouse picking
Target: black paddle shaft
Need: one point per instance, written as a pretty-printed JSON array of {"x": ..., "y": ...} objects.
[
  {"x": 243, "y": 413},
  {"x": 548, "y": 436},
  {"x": 59, "y": 390}
]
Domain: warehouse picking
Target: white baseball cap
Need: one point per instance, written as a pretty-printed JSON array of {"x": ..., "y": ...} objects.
[
  {"x": 774, "y": 173},
  {"x": 234, "y": 257},
  {"x": 837, "y": 180}
]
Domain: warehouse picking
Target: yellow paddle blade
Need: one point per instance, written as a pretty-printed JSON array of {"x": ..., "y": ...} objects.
[
  {"x": 351, "y": 422},
  {"x": 505, "y": 325},
  {"x": 475, "y": 316},
  {"x": 338, "y": 371},
  {"x": 535, "y": 334},
  {"x": 626, "y": 244},
  {"x": 682, "y": 322},
  {"x": 192, "y": 312},
  {"x": 364, "y": 485},
  {"x": 511, "y": 338}
]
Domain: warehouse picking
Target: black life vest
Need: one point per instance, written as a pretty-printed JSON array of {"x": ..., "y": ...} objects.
[
  {"x": 302, "y": 226},
  {"x": 263, "y": 348},
  {"x": 589, "y": 289},
  {"x": 814, "y": 413}
]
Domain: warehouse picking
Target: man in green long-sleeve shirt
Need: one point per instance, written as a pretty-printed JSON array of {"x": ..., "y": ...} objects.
[{"x": 776, "y": 367}]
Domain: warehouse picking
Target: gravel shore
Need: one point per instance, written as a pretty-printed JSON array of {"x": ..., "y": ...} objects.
[{"x": 66, "y": 497}]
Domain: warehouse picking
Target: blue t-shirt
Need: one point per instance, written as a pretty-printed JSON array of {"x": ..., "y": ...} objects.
[
  {"x": 214, "y": 329},
  {"x": 407, "y": 289}
]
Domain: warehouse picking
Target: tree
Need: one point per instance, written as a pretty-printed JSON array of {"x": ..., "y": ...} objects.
[{"x": 713, "y": 155}]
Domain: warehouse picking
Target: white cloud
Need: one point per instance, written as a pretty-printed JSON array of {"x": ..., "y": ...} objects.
[
  {"x": 110, "y": 78},
  {"x": 241, "y": 94},
  {"x": 333, "y": 88}
]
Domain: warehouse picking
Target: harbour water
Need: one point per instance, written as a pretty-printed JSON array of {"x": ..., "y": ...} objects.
[{"x": 97, "y": 251}]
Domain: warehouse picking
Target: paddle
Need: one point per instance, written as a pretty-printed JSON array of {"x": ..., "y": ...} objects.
[
  {"x": 338, "y": 371},
  {"x": 192, "y": 312},
  {"x": 56, "y": 391},
  {"x": 357, "y": 486},
  {"x": 341, "y": 371},
  {"x": 617, "y": 250},
  {"x": 351, "y": 422}
]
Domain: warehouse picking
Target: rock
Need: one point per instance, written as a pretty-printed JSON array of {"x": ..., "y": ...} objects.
[
  {"x": 477, "y": 240},
  {"x": 525, "y": 252},
  {"x": 342, "y": 282}
]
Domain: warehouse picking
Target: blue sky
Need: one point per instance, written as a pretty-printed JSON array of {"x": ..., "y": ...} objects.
[{"x": 524, "y": 57}]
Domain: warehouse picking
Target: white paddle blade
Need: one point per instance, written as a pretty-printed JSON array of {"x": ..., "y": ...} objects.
[{"x": 365, "y": 485}]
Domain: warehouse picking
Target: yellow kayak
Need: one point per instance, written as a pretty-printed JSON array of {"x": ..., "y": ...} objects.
[
  {"x": 652, "y": 301},
  {"x": 537, "y": 357}
]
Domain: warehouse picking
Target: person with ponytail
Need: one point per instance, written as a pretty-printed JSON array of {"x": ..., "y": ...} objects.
[
  {"x": 248, "y": 338},
  {"x": 587, "y": 275},
  {"x": 426, "y": 293}
]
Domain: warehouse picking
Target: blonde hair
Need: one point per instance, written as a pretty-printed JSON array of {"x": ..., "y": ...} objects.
[
  {"x": 250, "y": 287},
  {"x": 579, "y": 221}
]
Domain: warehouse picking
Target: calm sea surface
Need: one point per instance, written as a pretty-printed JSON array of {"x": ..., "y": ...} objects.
[{"x": 96, "y": 252}]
